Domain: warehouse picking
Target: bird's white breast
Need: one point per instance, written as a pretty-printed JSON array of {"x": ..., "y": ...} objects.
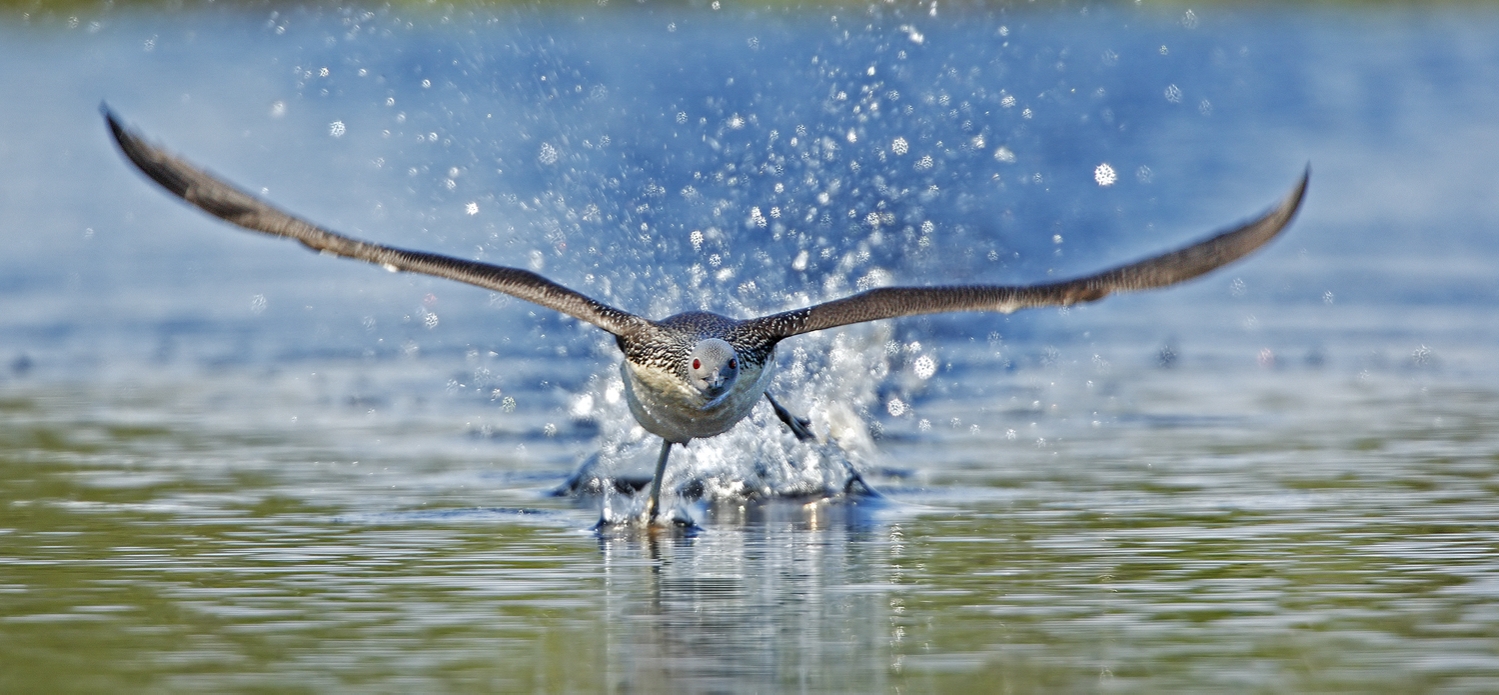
[{"x": 668, "y": 407}]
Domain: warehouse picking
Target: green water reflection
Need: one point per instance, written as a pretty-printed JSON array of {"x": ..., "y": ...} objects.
[{"x": 1297, "y": 555}]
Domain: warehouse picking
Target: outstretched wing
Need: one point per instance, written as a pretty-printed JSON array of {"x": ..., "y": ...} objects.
[
  {"x": 226, "y": 202},
  {"x": 1160, "y": 271}
]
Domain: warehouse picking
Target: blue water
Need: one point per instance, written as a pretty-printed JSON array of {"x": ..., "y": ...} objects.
[{"x": 228, "y": 463}]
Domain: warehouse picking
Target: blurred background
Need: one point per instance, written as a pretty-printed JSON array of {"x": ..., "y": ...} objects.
[{"x": 227, "y": 463}]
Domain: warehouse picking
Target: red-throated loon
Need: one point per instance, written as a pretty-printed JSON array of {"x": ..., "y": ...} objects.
[{"x": 694, "y": 375}]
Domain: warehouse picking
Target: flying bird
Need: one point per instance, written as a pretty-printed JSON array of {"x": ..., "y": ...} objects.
[{"x": 695, "y": 374}]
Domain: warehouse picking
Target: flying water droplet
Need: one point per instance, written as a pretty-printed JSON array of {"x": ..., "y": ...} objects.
[
  {"x": 1104, "y": 175},
  {"x": 548, "y": 154},
  {"x": 925, "y": 367}
]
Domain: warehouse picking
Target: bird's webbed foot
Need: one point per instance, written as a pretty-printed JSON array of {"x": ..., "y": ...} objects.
[{"x": 800, "y": 426}]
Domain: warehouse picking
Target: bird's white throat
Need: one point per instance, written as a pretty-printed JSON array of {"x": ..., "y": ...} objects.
[{"x": 668, "y": 407}]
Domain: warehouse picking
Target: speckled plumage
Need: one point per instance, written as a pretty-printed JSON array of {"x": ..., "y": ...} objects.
[
  {"x": 658, "y": 354},
  {"x": 663, "y": 344}
]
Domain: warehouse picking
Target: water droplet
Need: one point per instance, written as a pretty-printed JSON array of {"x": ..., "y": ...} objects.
[
  {"x": 876, "y": 277},
  {"x": 1104, "y": 175},
  {"x": 1422, "y": 356},
  {"x": 548, "y": 154},
  {"x": 924, "y": 367},
  {"x": 582, "y": 406}
]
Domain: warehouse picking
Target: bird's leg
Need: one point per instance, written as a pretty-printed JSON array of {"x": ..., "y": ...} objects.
[
  {"x": 800, "y": 426},
  {"x": 855, "y": 479},
  {"x": 653, "y": 505}
]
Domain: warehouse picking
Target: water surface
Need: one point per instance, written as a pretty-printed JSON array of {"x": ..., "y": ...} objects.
[{"x": 227, "y": 464}]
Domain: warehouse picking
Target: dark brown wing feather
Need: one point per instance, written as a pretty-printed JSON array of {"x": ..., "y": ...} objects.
[
  {"x": 1160, "y": 271},
  {"x": 222, "y": 200}
]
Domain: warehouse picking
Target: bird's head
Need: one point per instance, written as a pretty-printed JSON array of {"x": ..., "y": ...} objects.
[{"x": 712, "y": 367}]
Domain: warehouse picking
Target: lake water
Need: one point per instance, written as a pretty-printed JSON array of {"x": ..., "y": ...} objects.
[{"x": 227, "y": 464}]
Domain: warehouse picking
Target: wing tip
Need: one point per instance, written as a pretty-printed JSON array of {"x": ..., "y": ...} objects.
[
  {"x": 121, "y": 134},
  {"x": 1290, "y": 206},
  {"x": 148, "y": 159},
  {"x": 1298, "y": 194},
  {"x": 1275, "y": 220}
]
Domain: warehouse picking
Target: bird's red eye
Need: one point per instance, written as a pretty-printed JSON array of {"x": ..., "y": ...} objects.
[
  {"x": 697, "y": 364},
  {"x": 733, "y": 364}
]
